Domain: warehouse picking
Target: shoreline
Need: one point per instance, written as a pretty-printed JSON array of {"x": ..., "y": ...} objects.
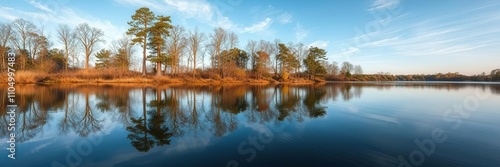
[
  {"x": 96, "y": 77},
  {"x": 92, "y": 79}
]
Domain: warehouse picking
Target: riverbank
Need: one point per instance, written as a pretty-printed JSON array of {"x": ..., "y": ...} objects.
[{"x": 127, "y": 77}]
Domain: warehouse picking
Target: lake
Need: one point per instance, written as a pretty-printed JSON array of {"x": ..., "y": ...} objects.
[{"x": 331, "y": 124}]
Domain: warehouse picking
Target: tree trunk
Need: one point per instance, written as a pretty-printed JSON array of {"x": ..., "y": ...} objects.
[
  {"x": 87, "y": 56},
  {"x": 194, "y": 64},
  {"x": 158, "y": 63},
  {"x": 144, "y": 57}
]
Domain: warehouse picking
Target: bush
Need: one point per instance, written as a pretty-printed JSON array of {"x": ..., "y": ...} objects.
[
  {"x": 240, "y": 74},
  {"x": 348, "y": 74},
  {"x": 285, "y": 76}
]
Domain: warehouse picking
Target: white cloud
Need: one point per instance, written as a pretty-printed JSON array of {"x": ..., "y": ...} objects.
[
  {"x": 64, "y": 15},
  {"x": 6, "y": 12},
  {"x": 348, "y": 51},
  {"x": 382, "y": 42},
  {"x": 258, "y": 27},
  {"x": 300, "y": 32},
  {"x": 201, "y": 10},
  {"x": 384, "y": 4},
  {"x": 143, "y": 3},
  {"x": 41, "y": 6},
  {"x": 285, "y": 18},
  {"x": 192, "y": 8},
  {"x": 319, "y": 44}
]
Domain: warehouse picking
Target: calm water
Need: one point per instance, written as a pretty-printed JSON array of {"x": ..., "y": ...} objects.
[{"x": 334, "y": 124}]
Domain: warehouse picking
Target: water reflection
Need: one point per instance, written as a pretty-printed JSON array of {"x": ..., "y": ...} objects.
[
  {"x": 146, "y": 132},
  {"x": 156, "y": 116}
]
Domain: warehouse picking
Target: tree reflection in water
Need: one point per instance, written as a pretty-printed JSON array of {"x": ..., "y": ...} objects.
[
  {"x": 156, "y": 116},
  {"x": 144, "y": 132}
]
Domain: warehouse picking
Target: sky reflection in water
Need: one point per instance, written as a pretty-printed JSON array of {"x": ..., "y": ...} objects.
[{"x": 353, "y": 124}]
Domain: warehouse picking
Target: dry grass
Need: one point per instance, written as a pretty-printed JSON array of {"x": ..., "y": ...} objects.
[
  {"x": 116, "y": 76},
  {"x": 24, "y": 77},
  {"x": 107, "y": 74}
]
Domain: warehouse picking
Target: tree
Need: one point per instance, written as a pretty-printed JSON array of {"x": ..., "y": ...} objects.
[
  {"x": 233, "y": 59},
  {"x": 67, "y": 38},
  {"x": 140, "y": 23},
  {"x": 21, "y": 38},
  {"x": 241, "y": 58},
  {"x": 88, "y": 38},
  {"x": 262, "y": 58},
  {"x": 5, "y": 36},
  {"x": 346, "y": 68},
  {"x": 103, "y": 59},
  {"x": 195, "y": 40},
  {"x": 313, "y": 62},
  {"x": 218, "y": 40},
  {"x": 261, "y": 61},
  {"x": 228, "y": 60},
  {"x": 176, "y": 46},
  {"x": 251, "y": 48},
  {"x": 275, "y": 51},
  {"x": 123, "y": 50},
  {"x": 358, "y": 70},
  {"x": 287, "y": 61},
  {"x": 300, "y": 52},
  {"x": 58, "y": 57},
  {"x": 332, "y": 68},
  {"x": 158, "y": 32},
  {"x": 39, "y": 45}
]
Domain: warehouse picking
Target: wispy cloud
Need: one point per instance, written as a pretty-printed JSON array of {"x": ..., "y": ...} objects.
[
  {"x": 285, "y": 18},
  {"x": 156, "y": 5},
  {"x": 64, "y": 15},
  {"x": 347, "y": 52},
  {"x": 384, "y": 4},
  {"x": 211, "y": 14},
  {"x": 458, "y": 34},
  {"x": 40, "y": 6},
  {"x": 7, "y": 13},
  {"x": 382, "y": 42},
  {"x": 320, "y": 44},
  {"x": 300, "y": 32},
  {"x": 192, "y": 8},
  {"x": 258, "y": 27}
]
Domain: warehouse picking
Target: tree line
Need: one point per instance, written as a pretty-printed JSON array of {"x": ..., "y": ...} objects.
[{"x": 171, "y": 50}]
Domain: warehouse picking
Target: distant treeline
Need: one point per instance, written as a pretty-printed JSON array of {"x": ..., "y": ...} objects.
[{"x": 417, "y": 77}]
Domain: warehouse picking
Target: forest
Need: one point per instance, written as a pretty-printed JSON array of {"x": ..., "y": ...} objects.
[{"x": 175, "y": 55}]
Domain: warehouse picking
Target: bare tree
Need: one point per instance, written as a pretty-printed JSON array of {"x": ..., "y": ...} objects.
[
  {"x": 300, "y": 52},
  {"x": 176, "y": 46},
  {"x": 332, "y": 68},
  {"x": 38, "y": 44},
  {"x": 232, "y": 40},
  {"x": 22, "y": 28},
  {"x": 195, "y": 40},
  {"x": 358, "y": 70},
  {"x": 346, "y": 68},
  {"x": 21, "y": 38},
  {"x": 123, "y": 50},
  {"x": 227, "y": 59},
  {"x": 274, "y": 51},
  {"x": 5, "y": 35},
  {"x": 67, "y": 38},
  {"x": 218, "y": 40},
  {"x": 88, "y": 37},
  {"x": 251, "y": 48}
]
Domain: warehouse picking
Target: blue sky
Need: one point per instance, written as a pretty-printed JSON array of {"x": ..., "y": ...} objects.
[{"x": 396, "y": 36}]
